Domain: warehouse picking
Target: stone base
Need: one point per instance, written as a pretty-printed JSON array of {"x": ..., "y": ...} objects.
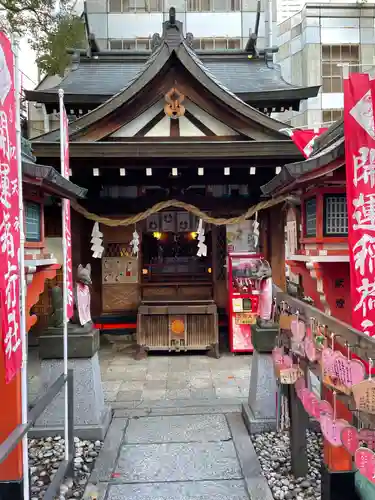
[
  {"x": 262, "y": 393},
  {"x": 91, "y": 415},
  {"x": 260, "y": 413},
  {"x": 80, "y": 345},
  {"x": 255, "y": 425}
]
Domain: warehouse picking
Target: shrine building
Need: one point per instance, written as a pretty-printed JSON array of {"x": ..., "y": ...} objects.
[{"x": 178, "y": 125}]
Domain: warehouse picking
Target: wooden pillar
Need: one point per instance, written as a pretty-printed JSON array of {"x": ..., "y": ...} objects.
[
  {"x": 10, "y": 417},
  {"x": 264, "y": 236},
  {"x": 276, "y": 232}
]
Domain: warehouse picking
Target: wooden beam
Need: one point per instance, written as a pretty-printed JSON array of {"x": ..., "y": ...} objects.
[
  {"x": 151, "y": 124},
  {"x": 201, "y": 126},
  {"x": 174, "y": 128},
  {"x": 282, "y": 150},
  {"x": 277, "y": 246}
]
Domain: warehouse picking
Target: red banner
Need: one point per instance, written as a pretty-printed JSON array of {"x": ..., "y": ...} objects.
[
  {"x": 304, "y": 139},
  {"x": 66, "y": 214},
  {"x": 360, "y": 189},
  {"x": 10, "y": 221}
]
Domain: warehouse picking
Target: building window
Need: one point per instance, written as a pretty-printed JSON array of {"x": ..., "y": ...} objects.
[
  {"x": 216, "y": 43},
  {"x": 213, "y": 5},
  {"x": 335, "y": 215},
  {"x": 33, "y": 215},
  {"x": 135, "y": 6},
  {"x": 310, "y": 217},
  {"x": 332, "y": 55},
  {"x": 131, "y": 44},
  {"x": 331, "y": 115}
]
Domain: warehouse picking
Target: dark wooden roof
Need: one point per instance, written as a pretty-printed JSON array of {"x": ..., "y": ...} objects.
[
  {"x": 92, "y": 81},
  {"x": 174, "y": 51},
  {"x": 331, "y": 147},
  {"x": 97, "y": 76},
  {"x": 47, "y": 177}
]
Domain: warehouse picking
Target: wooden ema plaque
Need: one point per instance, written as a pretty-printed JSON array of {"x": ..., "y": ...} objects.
[
  {"x": 285, "y": 320},
  {"x": 339, "y": 372},
  {"x": 337, "y": 458},
  {"x": 364, "y": 396}
]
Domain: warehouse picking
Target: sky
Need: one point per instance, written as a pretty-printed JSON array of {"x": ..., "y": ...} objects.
[{"x": 28, "y": 67}]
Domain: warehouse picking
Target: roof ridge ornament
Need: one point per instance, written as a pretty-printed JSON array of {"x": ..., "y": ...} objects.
[
  {"x": 156, "y": 41},
  {"x": 172, "y": 16},
  {"x": 172, "y": 30}
]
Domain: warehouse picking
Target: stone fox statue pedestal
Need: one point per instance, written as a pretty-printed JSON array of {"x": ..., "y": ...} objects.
[{"x": 91, "y": 415}]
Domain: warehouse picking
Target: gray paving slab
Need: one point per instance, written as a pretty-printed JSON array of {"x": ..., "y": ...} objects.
[
  {"x": 177, "y": 462},
  {"x": 200, "y": 490},
  {"x": 218, "y": 404},
  {"x": 192, "y": 410},
  {"x": 177, "y": 429}
]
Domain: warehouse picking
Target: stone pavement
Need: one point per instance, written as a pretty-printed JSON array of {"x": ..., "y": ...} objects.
[
  {"x": 177, "y": 431},
  {"x": 178, "y": 457},
  {"x": 173, "y": 377}
]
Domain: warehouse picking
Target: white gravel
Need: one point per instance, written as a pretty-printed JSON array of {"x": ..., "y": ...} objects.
[
  {"x": 274, "y": 455},
  {"x": 45, "y": 456}
]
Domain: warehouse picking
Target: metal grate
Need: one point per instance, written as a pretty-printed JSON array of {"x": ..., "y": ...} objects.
[
  {"x": 310, "y": 217},
  {"x": 335, "y": 215}
]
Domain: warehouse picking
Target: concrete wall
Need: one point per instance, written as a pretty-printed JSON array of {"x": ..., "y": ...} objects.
[
  {"x": 224, "y": 23},
  {"x": 301, "y": 39}
]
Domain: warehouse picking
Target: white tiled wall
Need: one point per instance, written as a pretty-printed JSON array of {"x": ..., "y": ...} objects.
[{"x": 321, "y": 25}]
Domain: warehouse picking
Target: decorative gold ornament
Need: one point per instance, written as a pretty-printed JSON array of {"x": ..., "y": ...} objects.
[{"x": 174, "y": 109}]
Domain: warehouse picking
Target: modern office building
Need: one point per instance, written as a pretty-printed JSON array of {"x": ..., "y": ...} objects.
[
  {"x": 215, "y": 24},
  {"x": 287, "y": 8},
  {"x": 314, "y": 43}
]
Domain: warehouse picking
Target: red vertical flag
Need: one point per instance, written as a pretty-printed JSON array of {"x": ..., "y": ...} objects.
[
  {"x": 10, "y": 288},
  {"x": 66, "y": 215},
  {"x": 360, "y": 188}
]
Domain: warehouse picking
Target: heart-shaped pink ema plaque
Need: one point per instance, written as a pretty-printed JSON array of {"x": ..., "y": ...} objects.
[
  {"x": 350, "y": 439},
  {"x": 310, "y": 349},
  {"x": 331, "y": 429},
  {"x": 368, "y": 436},
  {"x": 315, "y": 407},
  {"x": 328, "y": 358},
  {"x": 307, "y": 400},
  {"x": 298, "y": 329},
  {"x": 277, "y": 355},
  {"x": 349, "y": 371},
  {"x": 364, "y": 459},
  {"x": 325, "y": 408}
]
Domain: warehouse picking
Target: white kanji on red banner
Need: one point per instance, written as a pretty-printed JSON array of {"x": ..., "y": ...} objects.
[
  {"x": 360, "y": 175},
  {"x": 67, "y": 226},
  {"x": 9, "y": 217}
]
